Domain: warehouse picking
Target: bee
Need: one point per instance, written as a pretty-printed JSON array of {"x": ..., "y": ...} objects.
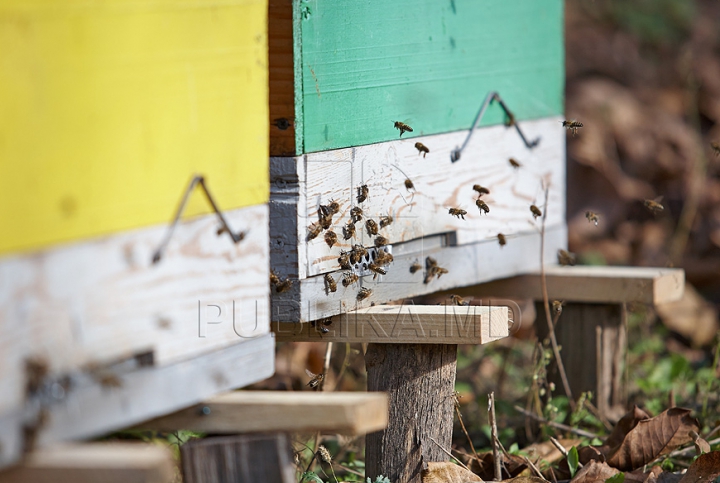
[
  {"x": 356, "y": 214},
  {"x": 654, "y": 206},
  {"x": 715, "y": 147},
  {"x": 421, "y": 149},
  {"x": 274, "y": 279},
  {"x": 386, "y": 221},
  {"x": 363, "y": 192},
  {"x": 430, "y": 262},
  {"x": 502, "y": 240},
  {"x": 349, "y": 230},
  {"x": 402, "y": 127},
  {"x": 557, "y": 307},
  {"x": 566, "y": 258},
  {"x": 283, "y": 286},
  {"x": 381, "y": 241},
  {"x": 481, "y": 190},
  {"x": 325, "y": 218},
  {"x": 330, "y": 285},
  {"x": 433, "y": 269},
  {"x": 415, "y": 267},
  {"x": 409, "y": 184},
  {"x": 535, "y": 211},
  {"x": 592, "y": 217},
  {"x": 344, "y": 260},
  {"x": 458, "y": 300},
  {"x": 376, "y": 269},
  {"x": 482, "y": 206},
  {"x": 572, "y": 125},
  {"x": 457, "y": 212},
  {"x": 321, "y": 325},
  {"x": 334, "y": 207},
  {"x": 316, "y": 379},
  {"x": 363, "y": 294},
  {"x": 349, "y": 278},
  {"x": 357, "y": 253},
  {"x": 330, "y": 238},
  {"x": 36, "y": 370},
  {"x": 372, "y": 227},
  {"x": 514, "y": 163},
  {"x": 108, "y": 380},
  {"x": 313, "y": 231},
  {"x": 383, "y": 258}
]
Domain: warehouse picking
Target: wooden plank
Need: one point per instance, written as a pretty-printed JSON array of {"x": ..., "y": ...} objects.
[
  {"x": 593, "y": 284},
  {"x": 269, "y": 411},
  {"x": 143, "y": 96},
  {"x": 90, "y": 408},
  {"x": 366, "y": 64},
  {"x": 282, "y": 95},
  {"x": 93, "y": 462},
  {"x": 405, "y": 324},
  {"x": 94, "y": 303},
  {"x": 239, "y": 458}
]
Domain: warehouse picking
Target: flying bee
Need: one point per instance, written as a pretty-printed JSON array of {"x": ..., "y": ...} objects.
[
  {"x": 430, "y": 262},
  {"x": 315, "y": 381},
  {"x": 422, "y": 149},
  {"x": 502, "y": 240},
  {"x": 482, "y": 206},
  {"x": 381, "y": 241},
  {"x": 481, "y": 190},
  {"x": 409, "y": 184},
  {"x": 349, "y": 230},
  {"x": 344, "y": 260},
  {"x": 349, "y": 278},
  {"x": 514, "y": 163},
  {"x": 402, "y": 127},
  {"x": 330, "y": 238},
  {"x": 330, "y": 285},
  {"x": 356, "y": 214},
  {"x": 432, "y": 272},
  {"x": 654, "y": 206},
  {"x": 557, "y": 307},
  {"x": 535, "y": 211},
  {"x": 283, "y": 286},
  {"x": 313, "y": 231},
  {"x": 415, "y": 267},
  {"x": 376, "y": 270},
  {"x": 357, "y": 253},
  {"x": 386, "y": 221},
  {"x": 457, "y": 212},
  {"x": 458, "y": 300},
  {"x": 592, "y": 217},
  {"x": 363, "y": 192},
  {"x": 372, "y": 227},
  {"x": 572, "y": 125},
  {"x": 363, "y": 294},
  {"x": 383, "y": 258},
  {"x": 566, "y": 258},
  {"x": 715, "y": 147}
]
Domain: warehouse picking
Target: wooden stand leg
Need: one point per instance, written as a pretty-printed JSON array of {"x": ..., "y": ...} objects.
[
  {"x": 594, "y": 345},
  {"x": 420, "y": 382},
  {"x": 243, "y": 458}
]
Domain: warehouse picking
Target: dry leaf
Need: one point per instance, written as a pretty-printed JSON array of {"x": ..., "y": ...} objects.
[
  {"x": 512, "y": 465},
  {"x": 624, "y": 426},
  {"x": 639, "y": 476},
  {"x": 446, "y": 472},
  {"x": 705, "y": 468},
  {"x": 594, "y": 472},
  {"x": 547, "y": 451},
  {"x": 525, "y": 479},
  {"x": 652, "y": 438}
]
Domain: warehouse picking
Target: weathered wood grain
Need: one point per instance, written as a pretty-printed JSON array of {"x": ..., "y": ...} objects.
[
  {"x": 269, "y": 411},
  {"x": 93, "y": 462},
  {"x": 281, "y": 72},
  {"x": 405, "y": 324}
]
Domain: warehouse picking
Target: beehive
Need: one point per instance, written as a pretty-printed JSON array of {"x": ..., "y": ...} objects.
[
  {"x": 341, "y": 75},
  {"x": 108, "y": 109}
]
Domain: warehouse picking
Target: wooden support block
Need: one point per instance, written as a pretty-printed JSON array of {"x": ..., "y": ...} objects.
[
  {"x": 404, "y": 324},
  {"x": 420, "y": 382},
  {"x": 594, "y": 284},
  {"x": 243, "y": 458},
  {"x": 90, "y": 463},
  {"x": 249, "y": 411}
]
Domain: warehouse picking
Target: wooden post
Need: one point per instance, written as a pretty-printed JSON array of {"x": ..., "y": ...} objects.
[
  {"x": 244, "y": 458},
  {"x": 420, "y": 382}
]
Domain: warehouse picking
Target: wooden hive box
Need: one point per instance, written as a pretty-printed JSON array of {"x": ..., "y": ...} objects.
[
  {"x": 341, "y": 75},
  {"x": 108, "y": 109}
]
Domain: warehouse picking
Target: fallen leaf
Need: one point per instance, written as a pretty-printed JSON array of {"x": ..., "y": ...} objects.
[
  {"x": 512, "y": 465},
  {"x": 639, "y": 476},
  {"x": 446, "y": 472},
  {"x": 624, "y": 426},
  {"x": 653, "y": 437},
  {"x": 594, "y": 472},
  {"x": 705, "y": 468}
]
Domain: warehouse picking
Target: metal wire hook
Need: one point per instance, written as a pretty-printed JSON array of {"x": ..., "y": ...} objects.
[{"x": 455, "y": 154}]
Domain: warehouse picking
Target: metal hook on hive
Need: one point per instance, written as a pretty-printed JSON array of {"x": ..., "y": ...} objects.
[
  {"x": 492, "y": 96},
  {"x": 224, "y": 228}
]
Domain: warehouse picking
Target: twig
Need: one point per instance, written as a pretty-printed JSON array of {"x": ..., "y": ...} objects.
[
  {"x": 462, "y": 425},
  {"x": 495, "y": 441},
  {"x": 689, "y": 449},
  {"x": 345, "y": 364},
  {"x": 321, "y": 386},
  {"x": 533, "y": 467},
  {"x": 562, "y": 449},
  {"x": 563, "y": 427},
  {"x": 449, "y": 454},
  {"x": 546, "y": 302}
]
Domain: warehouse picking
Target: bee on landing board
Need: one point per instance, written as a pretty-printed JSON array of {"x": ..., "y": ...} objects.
[
  {"x": 330, "y": 285},
  {"x": 482, "y": 206},
  {"x": 572, "y": 125},
  {"x": 344, "y": 260},
  {"x": 458, "y": 300},
  {"x": 386, "y": 221},
  {"x": 314, "y": 230},
  {"x": 274, "y": 279},
  {"x": 421, "y": 149},
  {"x": 382, "y": 257},
  {"x": 356, "y": 214},
  {"x": 363, "y": 193},
  {"x": 316, "y": 379},
  {"x": 501, "y": 240},
  {"x": 324, "y": 217},
  {"x": 330, "y": 238},
  {"x": 357, "y": 253},
  {"x": 457, "y": 212},
  {"x": 349, "y": 230},
  {"x": 566, "y": 258},
  {"x": 372, "y": 227},
  {"x": 402, "y": 127},
  {"x": 592, "y": 217},
  {"x": 381, "y": 241}
]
